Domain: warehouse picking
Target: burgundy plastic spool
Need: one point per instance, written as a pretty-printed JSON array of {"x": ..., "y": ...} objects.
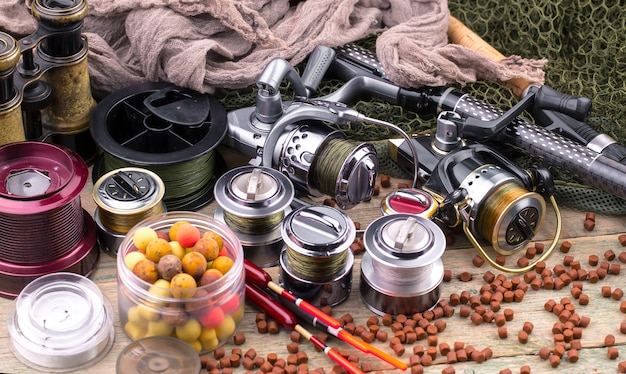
[{"x": 43, "y": 227}]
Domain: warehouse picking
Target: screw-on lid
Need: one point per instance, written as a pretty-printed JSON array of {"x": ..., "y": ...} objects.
[
  {"x": 318, "y": 230},
  {"x": 253, "y": 192},
  {"x": 404, "y": 240},
  {"x": 61, "y": 322},
  {"x": 128, "y": 190}
]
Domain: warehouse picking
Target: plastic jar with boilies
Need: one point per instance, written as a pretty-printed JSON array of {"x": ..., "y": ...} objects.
[{"x": 206, "y": 315}]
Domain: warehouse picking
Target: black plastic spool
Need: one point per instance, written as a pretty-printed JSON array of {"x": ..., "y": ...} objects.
[{"x": 159, "y": 124}]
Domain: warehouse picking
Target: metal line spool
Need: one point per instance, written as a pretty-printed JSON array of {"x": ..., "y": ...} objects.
[
  {"x": 253, "y": 202},
  {"x": 401, "y": 269},
  {"x": 410, "y": 201},
  {"x": 43, "y": 228},
  {"x": 168, "y": 130},
  {"x": 316, "y": 263},
  {"x": 124, "y": 198}
]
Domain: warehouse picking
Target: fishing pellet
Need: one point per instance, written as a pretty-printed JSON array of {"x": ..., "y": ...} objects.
[
  {"x": 614, "y": 269},
  {"x": 367, "y": 367},
  {"x": 465, "y": 276},
  {"x": 622, "y": 239},
  {"x": 385, "y": 181},
  {"x": 489, "y": 277},
  {"x": 622, "y": 257},
  {"x": 219, "y": 353},
  {"x": 522, "y": 262},
  {"x": 555, "y": 361},
  {"x": 501, "y": 260},
  {"x": 531, "y": 252},
  {"x": 239, "y": 338},
  {"x": 503, "y": 333},
  {"x": 617, "y": 294},
  {"x": 565, "y": 246},
  {"x": 622, "y": 327},
  {"x": 505, "y": 371},
  {"x": 605, "y": 291},
  {"x": 525, "y": 369},
  {"x": 508, "y": 314},
  {"x": 589, "y": 225},
  {"x": 461, "y": 355},
  {"x": 448, "y": 370},
  {"x": 430, "y": 354},
  {"x": 522, "y": 337},
  {"x": 609, "y": 255},
  {"x": 539, "y": 246},
  {"x": 478, "y": 261},
  {"x": 612, "y": 353},
  {"x": 447, "y": 275}
]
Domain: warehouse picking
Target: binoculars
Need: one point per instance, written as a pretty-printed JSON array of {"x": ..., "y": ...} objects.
[{"x": 45, "y": 93}]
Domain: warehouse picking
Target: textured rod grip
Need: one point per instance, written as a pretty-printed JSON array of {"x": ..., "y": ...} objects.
[{"x": 552, "y": 149}]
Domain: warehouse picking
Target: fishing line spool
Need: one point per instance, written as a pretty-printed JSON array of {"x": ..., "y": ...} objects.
[
  {"x": 316, "y": 262},
  {"x": 253, "y": 202},
  {"x": 125, "y": 197},
  {"x": 168, "y": 130},
  {"x": 401, "y": 269},
  {"x": 40, "y": 193}
]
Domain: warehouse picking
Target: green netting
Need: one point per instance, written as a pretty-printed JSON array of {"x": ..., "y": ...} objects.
[{"x": 584, "y": 42}]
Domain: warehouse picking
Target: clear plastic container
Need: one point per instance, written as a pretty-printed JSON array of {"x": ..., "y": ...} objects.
[{"x": 205, "y": 320}]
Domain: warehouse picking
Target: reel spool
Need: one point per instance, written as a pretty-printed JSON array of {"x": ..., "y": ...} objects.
[
  {"x": 253, "y": 202},
  {"x": 316, "y": 263},
  {"x": 124, "y": 198},
  {"x": 40, "y": 193},
  {"x": 168, "y": 130},
  {"x": 401, "y": 270}
]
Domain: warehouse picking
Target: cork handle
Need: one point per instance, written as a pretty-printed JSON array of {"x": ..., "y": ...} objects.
[{"x": 460, "y": 34}]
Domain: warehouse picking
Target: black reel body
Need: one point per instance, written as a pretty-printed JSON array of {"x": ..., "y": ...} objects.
[{"x": 495, "y": 196}]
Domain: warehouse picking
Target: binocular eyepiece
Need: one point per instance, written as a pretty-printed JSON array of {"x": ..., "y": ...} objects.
[{"x": 45, "y": 93}]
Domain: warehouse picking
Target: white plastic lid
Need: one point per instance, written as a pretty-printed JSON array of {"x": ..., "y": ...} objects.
[{"x": 61, "y": 322}]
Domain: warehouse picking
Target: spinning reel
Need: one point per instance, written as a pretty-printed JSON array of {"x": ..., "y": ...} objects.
[
  {"x": 478, "y": 188},
  {"x": 295, "y": 139}
]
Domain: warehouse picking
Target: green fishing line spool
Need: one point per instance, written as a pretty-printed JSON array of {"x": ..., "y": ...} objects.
[
  {"x": 253, "y": 201},
  {"x": 316, "y": 263},
  {"x": 169, "y": 130}
]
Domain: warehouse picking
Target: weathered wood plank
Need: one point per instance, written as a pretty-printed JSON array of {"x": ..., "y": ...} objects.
[{"x": 604, "y": 312}]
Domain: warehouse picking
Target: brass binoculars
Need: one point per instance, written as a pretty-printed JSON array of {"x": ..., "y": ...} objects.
[{"x": 45, "y": 93}]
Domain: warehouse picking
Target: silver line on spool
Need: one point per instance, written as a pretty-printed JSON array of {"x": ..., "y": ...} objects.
[
  {"x": 316, "y": 263},
  {"x": 401, "y": 269},
  {"x": 125, "y": 197},
  {"x": 253, "y": 201}
]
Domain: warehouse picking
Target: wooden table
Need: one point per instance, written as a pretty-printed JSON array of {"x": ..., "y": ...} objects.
[{"x": 507, "y": 353}]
